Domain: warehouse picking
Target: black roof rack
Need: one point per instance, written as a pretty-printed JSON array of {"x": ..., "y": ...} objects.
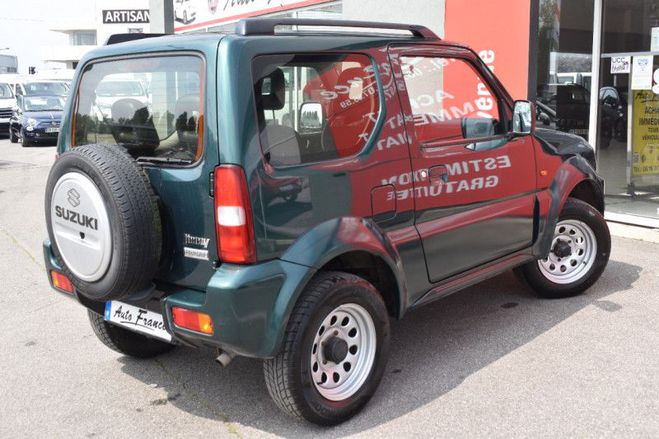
[
  {"x": 266, "y": 26},
  {"x": 122, "y": 38}
]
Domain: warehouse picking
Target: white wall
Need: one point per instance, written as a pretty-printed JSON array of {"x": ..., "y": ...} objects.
[{"x": 429, "y": 13}]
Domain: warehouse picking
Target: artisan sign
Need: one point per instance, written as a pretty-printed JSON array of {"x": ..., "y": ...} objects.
[{"x": 122, "y": 16}]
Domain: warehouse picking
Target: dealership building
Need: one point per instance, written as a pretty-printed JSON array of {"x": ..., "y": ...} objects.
[
  {"x": 91, "y": 26},
  {"x": 592, "y": 66}
]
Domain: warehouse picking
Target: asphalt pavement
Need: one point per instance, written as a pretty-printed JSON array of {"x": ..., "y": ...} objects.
[{"x": 490, "y": 361}]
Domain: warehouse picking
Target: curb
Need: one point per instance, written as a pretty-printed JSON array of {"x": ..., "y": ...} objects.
[{"x": 634, "y": 232}]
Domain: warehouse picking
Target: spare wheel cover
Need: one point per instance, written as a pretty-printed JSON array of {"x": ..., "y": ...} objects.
[{"x": 81, "y": 226}]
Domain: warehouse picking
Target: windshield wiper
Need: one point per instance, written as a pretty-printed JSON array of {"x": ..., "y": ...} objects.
[{"x": 172, "y": 160}]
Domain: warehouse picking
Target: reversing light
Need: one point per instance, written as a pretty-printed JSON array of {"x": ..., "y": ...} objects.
[
  {"x": 61, "y": 282},
  {"x": 192, "y": 320},
  {"x": 233, "y": 216}
]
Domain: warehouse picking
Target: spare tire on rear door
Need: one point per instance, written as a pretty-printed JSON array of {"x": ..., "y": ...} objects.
[{"x": 103, "y": 221}]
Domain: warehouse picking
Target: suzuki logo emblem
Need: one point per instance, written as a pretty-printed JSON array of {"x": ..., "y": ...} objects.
[{"x": 74, "y": 197}]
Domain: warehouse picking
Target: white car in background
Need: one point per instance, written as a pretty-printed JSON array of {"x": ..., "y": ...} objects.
[
  {"x": 110, "y": 91},
  {"x": 7, "y": 104},
  {"x": 30, "y": 87},
  {"x": 183, "y": 11}
]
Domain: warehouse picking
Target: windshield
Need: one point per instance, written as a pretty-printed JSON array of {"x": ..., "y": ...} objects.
[
  {"x": 45, "y": 88},
  {"x": 119, "y": 88},
  {"x": 153, "y": 108},
  {"x": 5, "y": 91},
  {"x": 43, "y": 103}
]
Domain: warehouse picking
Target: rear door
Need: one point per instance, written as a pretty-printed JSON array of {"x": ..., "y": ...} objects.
[
  {"x": 165, "y": 131},
  {"x": 473, "y": 182}
]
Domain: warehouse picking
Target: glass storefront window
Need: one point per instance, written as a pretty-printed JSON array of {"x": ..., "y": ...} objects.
[
  {"x": 564, "y": 65},
  {"x": 627, "y": 25},
  {"x": 628, "y": 113}
]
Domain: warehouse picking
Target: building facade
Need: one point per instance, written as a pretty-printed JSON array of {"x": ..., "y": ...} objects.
[
  {"x": 92, "y": 26},
  {"x": 8, "y": 64},
  {"x": 591, "y": 66}
]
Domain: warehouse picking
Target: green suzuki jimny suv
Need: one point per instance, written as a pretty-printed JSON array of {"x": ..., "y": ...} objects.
[{"x": 283, "y": 192}]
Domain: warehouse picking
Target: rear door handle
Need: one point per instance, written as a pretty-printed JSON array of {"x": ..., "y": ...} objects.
[{"x": 438, "y": 173}]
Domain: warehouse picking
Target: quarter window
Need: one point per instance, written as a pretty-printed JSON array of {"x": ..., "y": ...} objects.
[
  {"x": 450, "y": 102},
  {"x": 314, "y": 107},
  {"x": 150, "y": 106}
]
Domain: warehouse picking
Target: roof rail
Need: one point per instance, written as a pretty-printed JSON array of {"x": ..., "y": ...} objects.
[
  {"x": 266, "y": 26},
  {"x": 122, "y": 38}
]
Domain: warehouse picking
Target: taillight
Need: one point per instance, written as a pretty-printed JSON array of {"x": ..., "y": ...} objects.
[
  {"x": 233, "y": 216},
  {"x": 192, "y": 320}
]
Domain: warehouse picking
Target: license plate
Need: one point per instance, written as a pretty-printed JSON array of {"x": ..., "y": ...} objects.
[
  {"x": 136, "y": 319},
  {"x": 52, "y": 130}
]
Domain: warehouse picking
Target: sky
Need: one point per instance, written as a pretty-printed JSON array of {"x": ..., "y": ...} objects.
[{"x": 24, "y": 27}]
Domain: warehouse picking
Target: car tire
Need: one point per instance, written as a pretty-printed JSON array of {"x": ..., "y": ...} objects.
[
  {"x": 579, "y": 253},
  {"x": 126, "y": 342},
  {"x": 25, "y": 142},
  {"x": 119, "y": 214},
  {"x": 13, "y": 138},
  {"x": 339, "y": 327}
]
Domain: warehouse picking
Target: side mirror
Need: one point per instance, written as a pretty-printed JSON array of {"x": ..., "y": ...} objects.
[
  {"x": 311, "y": 116},
  {"x": 523, "y": 118}
]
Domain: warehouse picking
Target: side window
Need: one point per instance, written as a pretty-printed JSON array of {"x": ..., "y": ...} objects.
[
  {"x": 314, "y": 107},
  {"x": 450, "y": 101}
]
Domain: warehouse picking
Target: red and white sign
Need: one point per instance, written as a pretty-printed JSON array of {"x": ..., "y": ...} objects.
[
  {"x": 205, "y": 13},
  {"x": 498, "y": 33}
]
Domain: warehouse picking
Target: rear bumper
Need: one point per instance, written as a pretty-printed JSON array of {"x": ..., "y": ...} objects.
[{"x": 249, "y": 305}]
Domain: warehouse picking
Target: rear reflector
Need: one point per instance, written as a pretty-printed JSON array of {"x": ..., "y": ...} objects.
[
  {"x": 61, "y": 282},
  {"x": 192, "y": 320},
  {"x": 233, "y": 216}
]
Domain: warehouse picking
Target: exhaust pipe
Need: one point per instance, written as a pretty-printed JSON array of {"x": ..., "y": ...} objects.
[{"x": 224, "y": 357}]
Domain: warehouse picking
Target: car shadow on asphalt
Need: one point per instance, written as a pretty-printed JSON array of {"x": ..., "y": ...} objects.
[{"x": 434, "y": 349}]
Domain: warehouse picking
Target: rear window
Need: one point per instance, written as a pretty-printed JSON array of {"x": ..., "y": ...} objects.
[
  {"x": 45, "y": 88},
  {"x": 43, "y": 103},
  {"x": 120, "y": 88},
  {"x": 151, "y": 106},
  {"x": 312, "y": 108}
]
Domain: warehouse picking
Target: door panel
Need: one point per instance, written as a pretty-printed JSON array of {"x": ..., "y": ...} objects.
[
  {"x": 346, "y": 139},
  {"x": 476, "y": 235},
  {"x": 472, "y": 182}
]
